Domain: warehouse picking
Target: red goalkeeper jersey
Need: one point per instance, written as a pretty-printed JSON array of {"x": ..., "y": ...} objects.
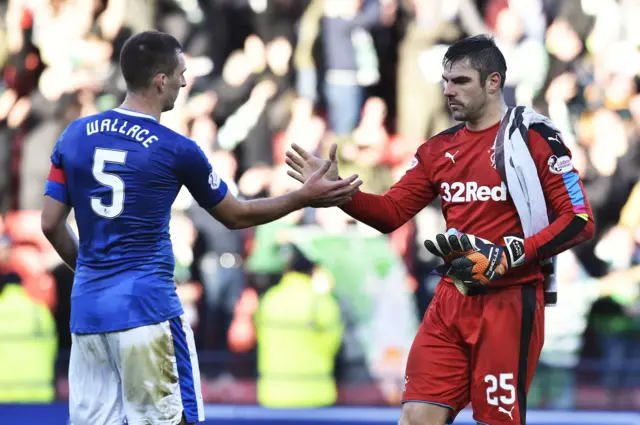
[{"x": 459, "y": 165}]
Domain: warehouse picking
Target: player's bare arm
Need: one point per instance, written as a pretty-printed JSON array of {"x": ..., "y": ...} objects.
[
  {"x": 317, "y": 191},
  {"x": 58, "y": 232}
]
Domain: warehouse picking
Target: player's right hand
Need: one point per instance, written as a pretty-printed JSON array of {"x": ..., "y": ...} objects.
[
  {"x": 319, "y": 192},
  {"x": 303, "y": 164}
]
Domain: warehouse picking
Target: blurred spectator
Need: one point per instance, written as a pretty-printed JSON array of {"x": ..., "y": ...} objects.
[
  {"x": 526, "y": 57},
  {"x": 276, "y": 18},
  {"x": 217, "y": 264},
  {"x": 363, "y": 153},
  {"x": 266, "y": 261},
  {"x": 304, "y": 128},
  {"x": 555, "y": 381},
  {"x": 428, "y": 28},
  {"x": 304, "y": 60},
  {"x": 349, "y": 57},
  {"x": 616, "y": 318},
  {"x": 299, "y": 330},
  {"x": 29, "y": 345}
]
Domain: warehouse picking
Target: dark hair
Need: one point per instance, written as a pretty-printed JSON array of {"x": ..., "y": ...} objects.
[
  {"x": 145, "y": 55},
  {"x": 299, "y": 262},
  {"x": 482, "y": 53}
]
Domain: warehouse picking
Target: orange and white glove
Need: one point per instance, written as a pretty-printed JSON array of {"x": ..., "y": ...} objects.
[{"x": 471, "y": 259}]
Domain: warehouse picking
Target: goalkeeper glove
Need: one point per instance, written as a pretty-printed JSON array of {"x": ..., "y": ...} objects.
[
  {"x": 448, "y": 247},
  {"x": 472, "y": 259}
]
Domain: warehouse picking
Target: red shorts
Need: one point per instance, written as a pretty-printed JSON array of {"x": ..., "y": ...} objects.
[{"x": 481, "y": 349}]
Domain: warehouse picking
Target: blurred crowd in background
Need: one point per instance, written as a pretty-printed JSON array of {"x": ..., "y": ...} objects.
[{"x": 365, "y": 74}]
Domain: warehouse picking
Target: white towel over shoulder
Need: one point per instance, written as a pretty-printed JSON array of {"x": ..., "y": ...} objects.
[{"x": 519, "y": 172}]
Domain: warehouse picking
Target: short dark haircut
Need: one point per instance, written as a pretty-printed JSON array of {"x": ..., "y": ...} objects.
[
  {"x": 145, "y": 55},
  {"x": 299, "y": 262},
  {"x": 482, "y": 53}
]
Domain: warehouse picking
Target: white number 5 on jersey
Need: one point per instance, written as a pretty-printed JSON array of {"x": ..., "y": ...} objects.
[{"x": 100, "y": 158}]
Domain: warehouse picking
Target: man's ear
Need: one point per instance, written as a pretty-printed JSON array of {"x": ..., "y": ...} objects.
[
  {"x": 494, "y": 82},
  {"x": 159, "y": 81}
]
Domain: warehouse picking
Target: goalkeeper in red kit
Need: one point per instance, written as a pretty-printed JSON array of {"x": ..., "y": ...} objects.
[{"x": 477, "y": 344}]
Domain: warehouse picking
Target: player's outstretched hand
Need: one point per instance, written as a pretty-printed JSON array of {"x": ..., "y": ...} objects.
[
  {"x": 319, "y": 192},
  {"x": 483, "y": 261},
  {"x": 303, "y": 164}
]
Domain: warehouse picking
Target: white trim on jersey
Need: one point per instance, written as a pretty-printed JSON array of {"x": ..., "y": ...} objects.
[{"x": 133, "y": 113}]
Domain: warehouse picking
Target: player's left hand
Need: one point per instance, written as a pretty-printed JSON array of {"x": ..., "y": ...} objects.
[
  {"x": 483, "y": 261},
  {"x": 448, "y": 247},
  {"x": 472, "y": 259}
]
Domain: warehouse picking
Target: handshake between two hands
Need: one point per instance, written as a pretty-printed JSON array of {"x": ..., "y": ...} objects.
[
  {"x": 470, "y": 260},
  {"x": 322, "y": 186}
]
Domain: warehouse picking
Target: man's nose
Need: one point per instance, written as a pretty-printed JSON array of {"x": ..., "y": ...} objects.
[{"x": 448, "y": 90}]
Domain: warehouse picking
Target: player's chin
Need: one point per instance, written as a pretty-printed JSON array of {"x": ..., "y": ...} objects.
[
  {"x": 459, "y": 114},
  {"x": 168, "y": 107}
]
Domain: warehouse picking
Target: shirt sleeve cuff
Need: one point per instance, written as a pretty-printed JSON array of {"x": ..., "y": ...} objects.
[
  {"x": 214, "y": 200},
  {"x": 530, "y": 251},
  {"x": 57, "y": 191}
]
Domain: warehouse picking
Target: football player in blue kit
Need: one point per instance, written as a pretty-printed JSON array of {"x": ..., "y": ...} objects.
[{"x": 133, "y": 355}]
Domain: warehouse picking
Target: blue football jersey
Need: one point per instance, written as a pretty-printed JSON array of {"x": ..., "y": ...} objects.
[{"x": 121, "y": 171}]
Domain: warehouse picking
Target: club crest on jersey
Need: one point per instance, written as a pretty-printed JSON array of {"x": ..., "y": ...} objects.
[
  {"x": 560, "y": 165},
  {"x": 492, "y": 155},
  {"x": 214, "y": 180},
  {"x": 414, "y": 162}
]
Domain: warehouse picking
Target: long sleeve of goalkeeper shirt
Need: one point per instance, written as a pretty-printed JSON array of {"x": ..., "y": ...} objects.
[
  {"x": 404, "y": 200},
  {"x": 565, "y": 195}
]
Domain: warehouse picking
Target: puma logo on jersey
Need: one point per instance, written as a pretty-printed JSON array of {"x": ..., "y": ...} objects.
[
  {"x": 506, "y": 412},
  {"x": 470, "y": 191},
  {"x": 451, "y": 157},
  {"x": 555, "y": 138}
]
